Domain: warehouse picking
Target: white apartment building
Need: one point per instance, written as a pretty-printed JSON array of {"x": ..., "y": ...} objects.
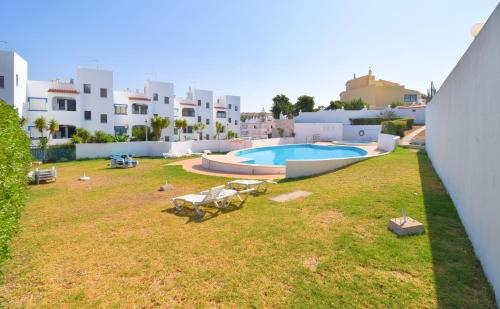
[
  {"x": 257, "y": 125},
  {"x": 90, "y": 102}
]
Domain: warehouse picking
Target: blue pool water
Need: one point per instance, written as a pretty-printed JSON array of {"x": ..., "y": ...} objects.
[{"x": 278, "y": 155}]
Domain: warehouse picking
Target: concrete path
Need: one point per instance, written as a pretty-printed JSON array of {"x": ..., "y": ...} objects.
[{"x": 407, "y": 139}]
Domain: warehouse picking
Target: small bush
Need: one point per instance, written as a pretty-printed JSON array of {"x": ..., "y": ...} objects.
[
  {"x": 396, "y": 104},
  {"x": 394, "y": 127},
  {"x": 357, "y": 104},
  {"x": 409, "y": 122},
  {"x": 367, "y": 121},
  {"x": 101, "y": 137},
  {"x": 15, "y": 160}
]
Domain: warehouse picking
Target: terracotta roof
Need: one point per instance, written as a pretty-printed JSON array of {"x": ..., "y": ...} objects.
[
  {"x": 138, "y": 99},
  {"x": 64, "y": 91}
]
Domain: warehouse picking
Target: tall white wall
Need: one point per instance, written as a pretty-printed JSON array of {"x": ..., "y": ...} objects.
[{"x": 463, "y": 142}]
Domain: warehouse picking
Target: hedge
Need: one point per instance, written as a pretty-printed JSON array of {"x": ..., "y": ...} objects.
[
  {"x": 369, "y": 121},
  {"x": 394, "y": 127},
  {"x": 409, "y": 122},
  {"x": 15, "y": 161}
]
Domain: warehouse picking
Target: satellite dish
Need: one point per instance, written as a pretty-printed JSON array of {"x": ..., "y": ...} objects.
[{"x": 475, "y": 29}]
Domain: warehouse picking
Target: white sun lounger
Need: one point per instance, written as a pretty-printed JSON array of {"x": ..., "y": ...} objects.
[
  {"x": 170, "y": 155},
  {"x": 191, "y": 153},
  {"x": 257, "y": 185},
  {"x": 227, "y": 195},
  {"x": 198, "y": 200}
]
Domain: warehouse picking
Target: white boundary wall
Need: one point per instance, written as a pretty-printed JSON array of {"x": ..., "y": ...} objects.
[
  {"x": 344, "y": 116},
  {"x": 463, "y": 142},
  {"x": 155, "y": 149}
]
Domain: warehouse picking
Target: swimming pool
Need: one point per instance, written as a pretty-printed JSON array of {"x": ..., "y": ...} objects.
[{"x": 278, "y": 155}]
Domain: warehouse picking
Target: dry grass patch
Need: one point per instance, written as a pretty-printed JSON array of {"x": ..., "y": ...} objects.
[{"x": 116, "y": 241}]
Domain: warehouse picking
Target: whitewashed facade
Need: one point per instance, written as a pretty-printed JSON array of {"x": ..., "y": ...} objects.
[{"x": 91, "y": 102}]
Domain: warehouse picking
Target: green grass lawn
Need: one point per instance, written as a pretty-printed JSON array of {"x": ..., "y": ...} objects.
[{"x": 116, "y": 240}]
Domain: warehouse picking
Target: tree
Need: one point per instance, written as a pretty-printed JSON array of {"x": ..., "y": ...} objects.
[
  {"x": 53, "y": 126},
  {"x": 199, "y": 127},
  {"x": 281, "y": 106},
  {"x": 231, "y": 134},
  {"x": 357, "y": 104},
  {"x": 334, "y": 105},
  {"x": 81, "y": 136},
  {"x": 158, "y": 123},
  {"x": 396, "y": 104},
  {"x": 22, "y": 121},
  {"x": 180, "y": 124},
  {"x": 40, "y": 124},
  {"x": 102, "y": 137},
  {"x": 219, "y": 128},
  {"x": 304, "y": 103}
]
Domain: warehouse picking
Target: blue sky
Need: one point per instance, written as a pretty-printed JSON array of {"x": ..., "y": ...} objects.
[{"x": 254, "y": 49}]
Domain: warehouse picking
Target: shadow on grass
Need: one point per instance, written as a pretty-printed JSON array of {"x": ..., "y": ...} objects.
[
  {"x": 208, "y": 212},
  {"x": 459, "y": 278}
]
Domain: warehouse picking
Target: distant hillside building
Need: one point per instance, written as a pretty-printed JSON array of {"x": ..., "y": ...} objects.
[{"x": 378, "y": 93}]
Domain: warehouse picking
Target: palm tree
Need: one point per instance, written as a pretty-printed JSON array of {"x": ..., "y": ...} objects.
[
  {"x": 53, "y": 126},
  {"x": 180, "y": 124},
  {"x": 158, "y": 123},
  {"x": 231, "y": 134},
  {"x": 199, "y": 127},
  {"x": 40, "y": 124},
  {"x": 219, "y": 128}
]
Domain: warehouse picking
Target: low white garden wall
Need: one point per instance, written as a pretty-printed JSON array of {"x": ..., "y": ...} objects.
[
  {"x": 301, "y": 168},
  {"x": 304, "y": 132},
  {"x": 155, "y": 149},
  {"x": 365, "y": 133}
]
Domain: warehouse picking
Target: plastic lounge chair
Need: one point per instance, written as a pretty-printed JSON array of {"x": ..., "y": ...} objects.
[
  {"x": 198, "y": 200},
  {"x": 44, "y": 175},
  {"x": 260, "y": 186},
  {"x": 191, "y": 153},
  {"x": 170, "y": 155},
  {"x": 227, "y": 195}
]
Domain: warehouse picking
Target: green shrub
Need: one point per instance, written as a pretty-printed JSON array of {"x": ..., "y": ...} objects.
[
  {"x": 367, "y": 121},
  {"x": 101, "y": 137},
  {"x": 394, "y": 127},
  {"x": 396, "y": 104},
  {"x": 357, "y": 104},
  {"x": 15, "y": 161},
  {"x": 83, "y": 134},
  {"x": 409, "y": 122},
  {"x": 121, "y": 138}
]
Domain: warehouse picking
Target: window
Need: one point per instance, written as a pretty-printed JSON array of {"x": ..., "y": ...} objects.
[
  {"x": 221, "y": 114},
  {"x": 104, "y": 118},
  {"x": 208, "y": 104},
  {"x": 199, "y": 118},
  {"x": 120, "y": 130},
  {"x": 120, "y": 109},
  {"x": 236, "y": 122},
  {"x": 207, "y": 121},
  {"x": 140, "y": 109},
  {"x": 176, "y": 131},
  {"x": 229, "y": 120},
  {"x": 166, "y": 100},
  {"x": 229, "y": 106},
  {"x": 86, "y": 88},
  {"x": 65, "y": 131},
  {"x": 189, "y": 130},
  {"x": 236, "y": 107},
  {"x": 207, "y": 137},
  {"x": 87, "y": 115},
  {"x": 2, "y": 82},
  {"x": 64, "y": 105},
  {"x": 167, "y": 138},
  {"x": 199, "y": 102},
  {"x": 410, "y": 98},
  {"x": 104, "y": 92},
  {"x": 155, "y": 96},
  {"x": 17, "y": 80},
  {"x": 188, "y": 112}
]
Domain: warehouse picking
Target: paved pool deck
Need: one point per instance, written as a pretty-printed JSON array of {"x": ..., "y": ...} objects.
[{"x": 194, "y": 165}]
